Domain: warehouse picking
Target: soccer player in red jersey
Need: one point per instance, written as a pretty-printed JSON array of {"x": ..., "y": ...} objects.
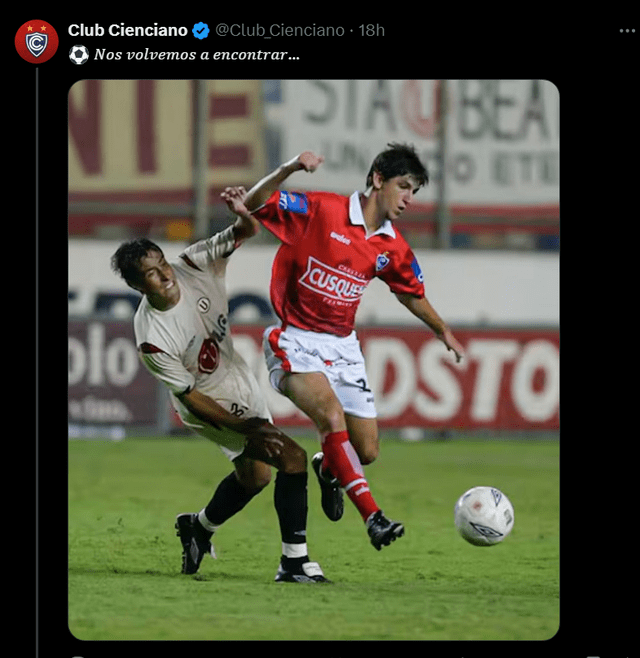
[{"x": 332, "y": 247}]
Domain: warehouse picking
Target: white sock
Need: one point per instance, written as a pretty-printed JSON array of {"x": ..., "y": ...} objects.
[
  {"x": 206, "y": 524},
  {"x": 294, "y": 550}
]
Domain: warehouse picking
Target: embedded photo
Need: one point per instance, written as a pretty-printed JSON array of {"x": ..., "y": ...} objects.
[{"x": 313, "y": 373}]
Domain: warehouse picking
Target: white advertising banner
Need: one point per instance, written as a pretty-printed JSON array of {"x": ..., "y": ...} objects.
[
  {"x": 502, "y": 136},
  {"x": 468, "y": 288}
]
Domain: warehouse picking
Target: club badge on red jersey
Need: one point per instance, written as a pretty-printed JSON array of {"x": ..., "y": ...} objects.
[{"x": 382, "y": 260}]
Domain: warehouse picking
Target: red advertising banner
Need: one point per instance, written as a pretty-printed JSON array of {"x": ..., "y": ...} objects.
[{"x": 508, "y": 380}]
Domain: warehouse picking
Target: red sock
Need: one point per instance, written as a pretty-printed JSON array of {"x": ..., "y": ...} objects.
[{"x": 342, "y": 461}]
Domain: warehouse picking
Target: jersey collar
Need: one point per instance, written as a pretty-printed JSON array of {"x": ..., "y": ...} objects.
[{"x": 357, "y": 218}]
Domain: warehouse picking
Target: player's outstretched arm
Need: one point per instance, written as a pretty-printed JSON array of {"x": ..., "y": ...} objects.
[
  {"x": 263, "y": 189},
  {"x": 245, "y": 225},
  {"x": 422, "y": 309}
]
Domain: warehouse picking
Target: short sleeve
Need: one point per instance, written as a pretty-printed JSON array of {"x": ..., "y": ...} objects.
[
  {"x": 404, "y": 276},
  {"x": 285, "y": 214}
]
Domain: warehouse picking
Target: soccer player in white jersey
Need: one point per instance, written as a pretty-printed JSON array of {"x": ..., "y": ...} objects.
[
  {"x": 182, "y": 334},
  {"x": 332, "y": 246}
]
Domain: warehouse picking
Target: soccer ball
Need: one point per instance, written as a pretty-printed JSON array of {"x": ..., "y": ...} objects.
[
  {"x": 484, "y": 516},
  {"x": 79, "y": 54}
]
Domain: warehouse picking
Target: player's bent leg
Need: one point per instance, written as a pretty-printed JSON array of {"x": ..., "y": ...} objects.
[
  {"x": 287, "y": 456},
  {"x": 290, "y": 502},
  {"x": 252, "y": 474},
  {"x": 289, "y": 497},
  {"x": 313, "y": 395},
  {"x": 363, "y": 434}
]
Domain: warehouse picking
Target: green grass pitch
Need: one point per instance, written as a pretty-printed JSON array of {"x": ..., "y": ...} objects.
[{"x": 124, "y": 578}]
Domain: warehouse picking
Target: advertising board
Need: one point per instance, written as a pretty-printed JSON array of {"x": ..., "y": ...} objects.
[
  {"x": 502, "y": 136},
  {"x": 509, "y": 379}
]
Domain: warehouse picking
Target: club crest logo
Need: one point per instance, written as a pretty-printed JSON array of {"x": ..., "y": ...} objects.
[
  {"x": 203, "y": 304},
  {"x": 382, "y": 260},
  {"x": 36, "y": 41}
]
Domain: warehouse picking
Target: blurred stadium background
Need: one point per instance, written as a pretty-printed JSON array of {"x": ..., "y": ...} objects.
[{"x": 150, "y": 157}]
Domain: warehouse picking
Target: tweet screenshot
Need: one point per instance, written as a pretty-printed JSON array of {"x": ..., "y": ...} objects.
[{"x": 313, "y": 332}]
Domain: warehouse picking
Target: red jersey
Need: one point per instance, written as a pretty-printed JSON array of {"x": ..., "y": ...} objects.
[{"x": 326, "y": 259}]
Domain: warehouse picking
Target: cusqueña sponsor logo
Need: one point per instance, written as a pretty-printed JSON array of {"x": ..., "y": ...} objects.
[{"x": 331, "y": 282}]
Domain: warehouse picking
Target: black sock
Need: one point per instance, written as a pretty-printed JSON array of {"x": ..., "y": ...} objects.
[
  {"x": 290, "y": 499},
  {"x": 229, "y": 498},
  {"x": 293, "y": 563}
]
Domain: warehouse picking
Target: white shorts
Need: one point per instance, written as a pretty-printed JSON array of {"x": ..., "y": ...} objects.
[
  {"x": 240, "y": 394},
  {"x": 340, "y": 359}
]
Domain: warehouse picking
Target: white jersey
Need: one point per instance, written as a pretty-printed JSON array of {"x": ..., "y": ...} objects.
[{"x": 189, "y": 346}]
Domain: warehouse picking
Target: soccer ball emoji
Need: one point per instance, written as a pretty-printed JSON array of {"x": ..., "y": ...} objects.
[{"x": 79, "y": 54}]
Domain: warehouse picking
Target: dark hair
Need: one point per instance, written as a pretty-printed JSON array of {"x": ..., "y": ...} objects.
[
  {"x": 126, "y": 260},
  {"x": 398, "y": 160}
]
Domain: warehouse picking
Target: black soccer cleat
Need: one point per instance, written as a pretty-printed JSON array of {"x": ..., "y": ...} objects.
[
  {"x": 332, "y": 498},
  {"x": 382, "y": 531},
  {"x": 195, "y": 540},
  {"x": 308, "y": 572}
]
